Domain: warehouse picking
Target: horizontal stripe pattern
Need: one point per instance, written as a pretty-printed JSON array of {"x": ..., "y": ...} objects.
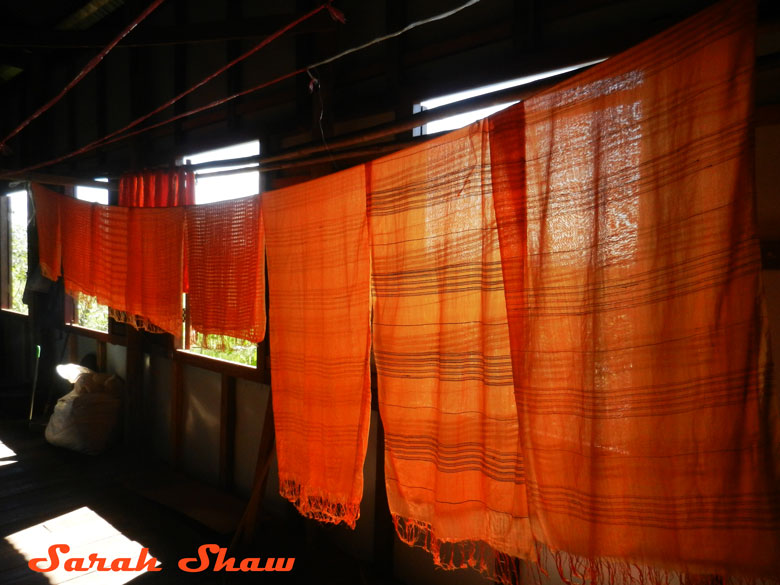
[
  {"x": 442, "y": 349},
  {"x": 318, "y": 274},
  {"x": 128, "y": 258},
  {"x": 624, "y": 202}
]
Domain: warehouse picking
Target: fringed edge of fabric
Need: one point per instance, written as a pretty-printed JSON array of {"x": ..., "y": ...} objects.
[
  {"x": 572, "y": 569},
  {"x": 466, "y": 554},
  {"x": 578, "y": 570},
  {"x": 135, "y": 321},
  {"x": 319, "y": 507}
]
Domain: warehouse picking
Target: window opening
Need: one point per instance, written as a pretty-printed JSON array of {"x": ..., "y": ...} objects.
[
  {"x": 466, "y": 118},
  {"x": 17, "y": 243},
  {"x": 212, "y": 186}
]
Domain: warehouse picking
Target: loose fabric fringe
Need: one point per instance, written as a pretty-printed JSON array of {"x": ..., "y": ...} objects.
[
  {"x": 464, "y": 554},
  {"x": 577, "y": 570},
  {"x": 572, "y": 569},
  {"x": 319, "y": 507},
  {"x": 135, "y": 321}
]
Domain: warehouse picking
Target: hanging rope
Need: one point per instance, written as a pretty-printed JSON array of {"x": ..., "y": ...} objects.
[
  {"x": 115, "y": 137},
  {"x": 89, "y": 67},
  {"x": 109, "y": 138}
]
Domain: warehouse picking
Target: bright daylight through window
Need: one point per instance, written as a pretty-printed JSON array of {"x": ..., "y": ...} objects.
[
  {"x": 219, "y": 184},
  {"x": 461, "y": 120},
  {"x": 17, "y": 241}
]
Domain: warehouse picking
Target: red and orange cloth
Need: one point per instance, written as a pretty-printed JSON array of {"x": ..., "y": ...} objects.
[{"x": 567, "y": 321}]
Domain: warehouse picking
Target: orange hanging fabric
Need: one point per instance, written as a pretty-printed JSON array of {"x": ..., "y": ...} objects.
[
  {"x": 128, "y": 258},
  {"x": 77, "y": 250},
  {"x": 157, "y": 189},
  {"x": 318, "y": 273},
  {"x": 47, "y": 219},
  {"x": 441, "y": 341},
  {"x": 226, "y": 268},
  {"x": 161, "y": 188},
  {"x": 624, "y": 199}
]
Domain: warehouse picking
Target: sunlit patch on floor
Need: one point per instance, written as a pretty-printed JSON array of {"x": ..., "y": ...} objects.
[
  {"x": 85, "y": 532},
  {"x": 6, "y": 451}
]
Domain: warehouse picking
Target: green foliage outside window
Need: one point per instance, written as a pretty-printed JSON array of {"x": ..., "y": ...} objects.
[
  {"x": 223, "y": 347},
  {"x": 91, "y": 314},
  {"x": 18, "y": 266}
]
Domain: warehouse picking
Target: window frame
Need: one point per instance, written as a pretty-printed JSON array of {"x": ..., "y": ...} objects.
[{"x": 5, "y": 253}]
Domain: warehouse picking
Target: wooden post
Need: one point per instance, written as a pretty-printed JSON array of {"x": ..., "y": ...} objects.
[
  {"x": 246, "y": 528},
  {"x": 134, "y": 373},
  {"x": 102, "y": 358},
  {"x": 227, "y": 432},
  {"x": 177, "y": 411},
  {"x": 73, "y": 349}
]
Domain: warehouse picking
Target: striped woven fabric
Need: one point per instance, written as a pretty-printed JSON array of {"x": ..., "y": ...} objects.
[
  {"x": 128, "y": 258},
  {"x": 454, "y": 476},
  {"x": 226, "y": 268},
  {"x": 318, "y": 274},
  {"x": 624, "y": 199}
]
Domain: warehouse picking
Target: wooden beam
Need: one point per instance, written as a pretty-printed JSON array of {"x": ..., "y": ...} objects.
[
  {"x": 355, "y": 154},
  {"x": 368, "y": 135},
  {"x": 47, "y": 179},
  {"x": 180, "y": 59},
  {"x": 223, "y": 366},
  {"x": 190, "y": 33}
]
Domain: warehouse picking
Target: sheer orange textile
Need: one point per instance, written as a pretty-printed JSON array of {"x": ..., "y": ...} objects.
[
  {"x": 318, "y": 277},
  {"x": 47, "y": 218},
  {"x": 129, "y": 258},
  {"x": 163, "y": 188},
  {"x": 624, "y": 199},
  {"x": 441, "y": 342},
  {"x": 226, "y": 268}
]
